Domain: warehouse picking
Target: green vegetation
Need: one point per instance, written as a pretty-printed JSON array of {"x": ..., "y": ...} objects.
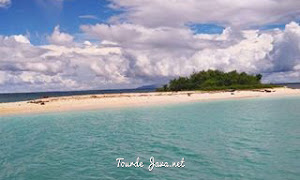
[{"x": 216, "y": 80}]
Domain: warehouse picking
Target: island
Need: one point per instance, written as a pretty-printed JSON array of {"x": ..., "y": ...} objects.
[
  {"x": 212, "y": 80},
  {"x": 202, "y": 86}
]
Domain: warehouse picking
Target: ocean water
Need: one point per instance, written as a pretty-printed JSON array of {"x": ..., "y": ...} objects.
[
  {"x": 236, "y": 139},
  {"x": 291, "y": 85},
  {"x": 15, "y": 97}
]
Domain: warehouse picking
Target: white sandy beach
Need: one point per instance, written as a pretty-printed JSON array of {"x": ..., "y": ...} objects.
[{"x": 89, "y": 102}]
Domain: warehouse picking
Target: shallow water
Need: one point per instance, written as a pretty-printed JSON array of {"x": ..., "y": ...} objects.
[{"x": 237, "y": 139}]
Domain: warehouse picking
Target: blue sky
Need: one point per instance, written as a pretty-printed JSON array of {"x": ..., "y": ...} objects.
[
  {"x": 50, "y": 45},
  {"x": 39, "y": 18}
]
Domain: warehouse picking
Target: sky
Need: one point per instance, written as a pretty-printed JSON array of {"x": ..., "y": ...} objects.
[{"x": 60, "y": 45}]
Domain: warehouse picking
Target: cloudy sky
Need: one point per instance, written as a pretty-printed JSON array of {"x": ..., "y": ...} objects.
[{"x": 50, "y": 45}]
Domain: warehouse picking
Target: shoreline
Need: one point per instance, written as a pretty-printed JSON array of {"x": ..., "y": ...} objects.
[{"x": 103, "y": 101}]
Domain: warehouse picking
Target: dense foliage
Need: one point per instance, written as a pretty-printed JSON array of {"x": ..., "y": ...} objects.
[{"x": 215, "y": 80}]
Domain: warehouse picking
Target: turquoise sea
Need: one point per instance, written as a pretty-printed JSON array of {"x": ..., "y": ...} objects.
[{"x": 236, "y": 139}]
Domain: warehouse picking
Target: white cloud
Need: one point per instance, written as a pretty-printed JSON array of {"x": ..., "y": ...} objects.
[
  {"x": 130, "y": 55},
  {"x": 155, "y": 53},
  {"x": 150, "y": 43},
  {"x": 236, "y": 13},
  {"x": 60, "y": 38},
  {"x": 21, "y": 39},
  {"x": 4, "y": 3},
  {"x": 57, "y": 67},
  {"x": 142, "y": 37},
  {"x": 88, "y": 17}
]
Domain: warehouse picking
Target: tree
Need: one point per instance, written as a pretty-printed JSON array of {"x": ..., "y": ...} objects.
[
  {"x": 258, "y": 77},
  {"x": 214, "y": 79}
]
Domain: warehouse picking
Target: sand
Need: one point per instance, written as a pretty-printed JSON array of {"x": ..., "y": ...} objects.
[{"x": 89, "y": 102}]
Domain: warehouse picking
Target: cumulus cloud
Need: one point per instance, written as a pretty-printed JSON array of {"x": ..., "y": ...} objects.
[
  {"x": 237, "y": 13},
  {"x": 155, "y": 53},
  {"x": 58, "y": 67},
  {"x": 4, "y": 3},
  {"x": 286, "y": 53},
  {"x": 60, "y": 38},
  {"x": 147, "y": 56},
  {"x": 150, "y": 43},
  {"x": 22, "y": 64}
]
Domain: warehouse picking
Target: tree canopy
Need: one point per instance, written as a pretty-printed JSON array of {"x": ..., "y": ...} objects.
[{"x": 215, "y": 80}]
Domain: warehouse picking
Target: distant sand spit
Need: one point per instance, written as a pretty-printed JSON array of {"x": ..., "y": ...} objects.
[{"x": 89, "y": 102}]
